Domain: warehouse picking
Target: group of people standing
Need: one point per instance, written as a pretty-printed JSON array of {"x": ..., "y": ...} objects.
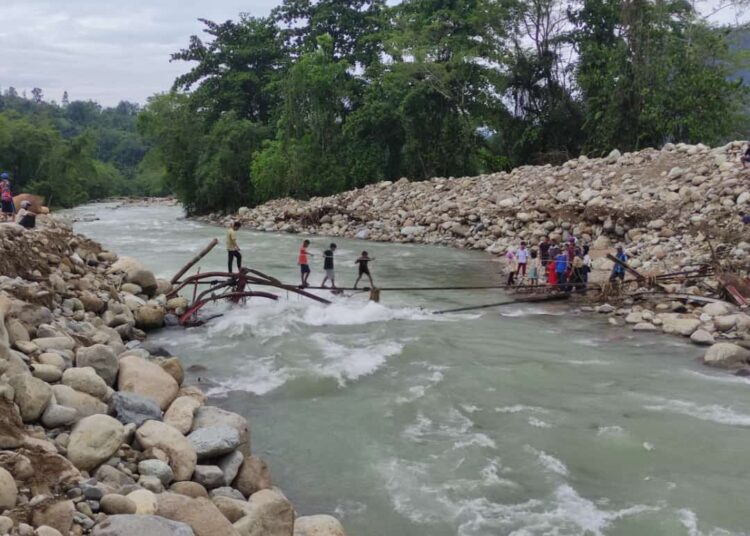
[
  {"x": 363, "y": 261},
  {"x": 565, "y": 267}
]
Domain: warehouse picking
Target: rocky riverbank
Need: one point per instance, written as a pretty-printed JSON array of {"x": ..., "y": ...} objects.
[
  {"x": 668, "y": 207},
  {"x": 99, "y": 431}
]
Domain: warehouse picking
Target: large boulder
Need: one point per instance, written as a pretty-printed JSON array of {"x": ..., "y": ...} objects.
[
  {"x": 148, "y": 379},
  {"x": 680, "y": 326},
  {"x": 180, "y": 413},
  {"x": 232, "y": 509},
  {"x": 85, "y": 405},
  {"x": 141, "y": 525},
  {"x": 253, "y": 476},
  {"x": 86, "y": 380},
  {"x": 230, "y": 465},
  {"x": 158, "y": 469},
  {"x": 31, "y": 395},
  {"x": 127, "y": 265},
  {"x": 702, "y": 337},
  {"x": 102, "y": 359},
  {"x": 94, "y": 440},
  {"x": 319, "y": 525},
  {"x": 135, "y": 408},
  {"x": 144, "y": 500},
  {"x": 726, "y": 355},
  {"x": 270, "y": 514},
  {"x": 214, "y": 441},
  {"x": 144, "y": 279},
  {"x": 114, "y": 503},
  {"x": 58, "y": 515},
  {"x": 717, "y": 309},
  {"x": 8, "y": 490},
  {"x": 201, "y": 514},
  {"x": 212, "y": 416},
  {"x": 182, "y": 457},
  {"x": 148, "y": 317},
  {"x": 209, "y": 476}
]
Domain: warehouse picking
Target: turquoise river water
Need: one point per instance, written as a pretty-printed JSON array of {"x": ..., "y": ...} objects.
[{"x": 526, "y": 420}]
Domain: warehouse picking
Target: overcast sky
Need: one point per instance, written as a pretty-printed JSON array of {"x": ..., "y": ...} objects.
[
  {"x": 105, "y": 50},
  {"x": 112, "y": 50}
]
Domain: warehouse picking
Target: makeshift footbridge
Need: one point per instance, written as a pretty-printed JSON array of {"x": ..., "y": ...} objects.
[{"x": 238, "y": 287}]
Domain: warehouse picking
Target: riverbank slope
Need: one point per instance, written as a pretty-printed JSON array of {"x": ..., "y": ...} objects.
[{"x": 99, "y": 432}]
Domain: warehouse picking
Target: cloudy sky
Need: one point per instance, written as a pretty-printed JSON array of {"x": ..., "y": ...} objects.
[
  {"x": 106, "y": 50},
  {"x": 112, "y": 50}
]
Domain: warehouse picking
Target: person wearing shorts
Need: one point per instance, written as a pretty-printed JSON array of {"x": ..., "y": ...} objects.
[
  {"x": 364, "y": 268},
  {"x": 304, "y": 265},
  {"x": 328, "y": 266}
]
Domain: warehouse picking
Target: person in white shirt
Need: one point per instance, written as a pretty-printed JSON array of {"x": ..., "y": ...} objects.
[
  {"x": 522, "y": 258},
  {"x": 24, "y": 217}
]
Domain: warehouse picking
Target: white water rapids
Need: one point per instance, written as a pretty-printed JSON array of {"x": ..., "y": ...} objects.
[{"x": 524, "y": 420}]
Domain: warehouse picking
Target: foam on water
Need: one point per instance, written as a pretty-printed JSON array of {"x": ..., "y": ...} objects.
[
  {"x": 712, "y": 412},
  {"x": 349, "y": 362},
  {"x": 451, "y": 425},
  {"x": 547, "y": 461},
  {"x": 518, "y": 408},
  {"x": 260, "y": 376},
  {"x": 563, "y": 512}
]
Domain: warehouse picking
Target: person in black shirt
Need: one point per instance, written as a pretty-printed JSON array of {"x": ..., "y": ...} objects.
[
  {"x": 745, "y": 159},
  {"x": 328, "y": 266},
  {"x": 544, "y": 253},
  {"x": 364, "y": 269}
]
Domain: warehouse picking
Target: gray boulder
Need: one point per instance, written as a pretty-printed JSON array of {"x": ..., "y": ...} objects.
[
  {"x": 135, "y": 408},
  {"x": 212, "y": 416},
  {"x": 102, "y": 359},
  {"x": 230, "y": 465},
  {"x": 214, "y": 441},
  {"x": 208, "y": 476},
  {"x": 142, "y": 525},
  {"x": 158, "y": 469}
]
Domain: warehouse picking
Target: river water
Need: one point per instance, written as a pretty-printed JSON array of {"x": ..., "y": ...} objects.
[{"x": 526, "y": 420}]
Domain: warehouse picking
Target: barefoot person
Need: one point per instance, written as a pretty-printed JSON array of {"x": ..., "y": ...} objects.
[
  {"x": 364, "y": 268},
  {"x": 233, "y": 249},
  {"x": 328, "y": 266},
  {"x": 304, "y": 265}
]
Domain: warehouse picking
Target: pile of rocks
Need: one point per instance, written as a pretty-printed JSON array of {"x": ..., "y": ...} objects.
[
  {"x": 720, "y": 326},
  {"x": 99, "y": 433},
  {"x": 661, "y": 203}
]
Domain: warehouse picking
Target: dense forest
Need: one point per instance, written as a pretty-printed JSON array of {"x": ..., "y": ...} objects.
[
  {"x": 74, "y": 151},
  {"x": 327, "y": 95}
]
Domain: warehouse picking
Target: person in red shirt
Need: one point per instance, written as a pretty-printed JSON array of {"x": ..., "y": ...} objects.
[{"x": 304, "y": 265}]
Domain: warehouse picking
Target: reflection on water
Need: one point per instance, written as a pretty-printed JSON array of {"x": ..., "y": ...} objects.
[{"x": 524, "y": 421}]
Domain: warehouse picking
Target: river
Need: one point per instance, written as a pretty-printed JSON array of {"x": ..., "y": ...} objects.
[{"x": 527, "y": 420}]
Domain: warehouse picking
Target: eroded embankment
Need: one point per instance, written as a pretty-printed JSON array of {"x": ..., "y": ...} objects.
[{"x": 99, "y": 433}]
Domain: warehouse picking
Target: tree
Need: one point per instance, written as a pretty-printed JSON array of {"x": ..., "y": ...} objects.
[
  {"x": 234, "y": 69},
  {"x": 37, "y": 95},
  {"x": 65, "y": 99},
  {"x": 651, "y": 73}
]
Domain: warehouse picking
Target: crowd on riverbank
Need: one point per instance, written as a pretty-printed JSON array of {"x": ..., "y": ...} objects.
[{"x": 101, "y": 432}]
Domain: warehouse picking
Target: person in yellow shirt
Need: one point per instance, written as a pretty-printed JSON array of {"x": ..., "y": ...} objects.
[{"x": 233, "y": 250}]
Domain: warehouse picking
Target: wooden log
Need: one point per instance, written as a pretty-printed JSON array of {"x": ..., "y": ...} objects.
[{"x": 211, "y": 245}]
